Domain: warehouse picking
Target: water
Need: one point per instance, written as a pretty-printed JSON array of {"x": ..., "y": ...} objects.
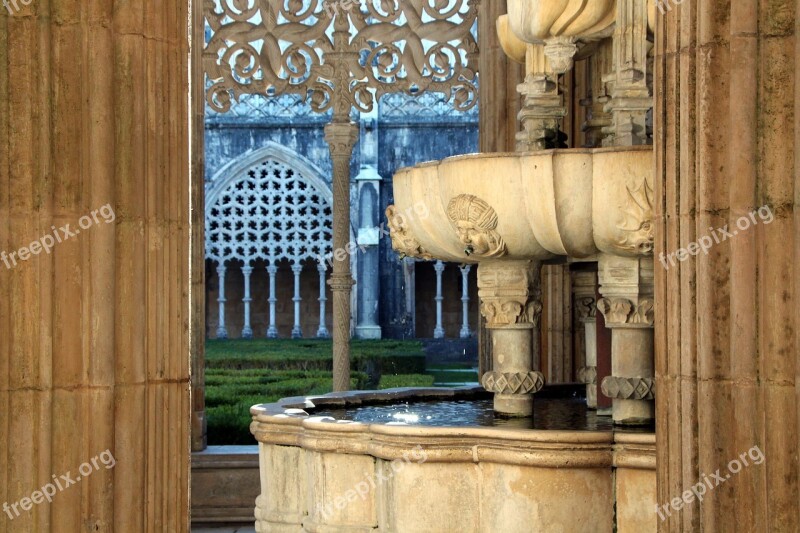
[{"x": 548, "y": 413}]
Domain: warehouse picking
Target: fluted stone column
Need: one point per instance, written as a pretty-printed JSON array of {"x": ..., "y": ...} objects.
[
  {"x": 510, "y": 301},
  {"x": 626, "y": 286},
  {"x": 727, "y": 130},
  {"x": 341, "y": 138},
  {"x": 95, "y": 334}
]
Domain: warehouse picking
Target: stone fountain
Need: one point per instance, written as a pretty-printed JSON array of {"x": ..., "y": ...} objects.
[{"x": 509, "y": 212}]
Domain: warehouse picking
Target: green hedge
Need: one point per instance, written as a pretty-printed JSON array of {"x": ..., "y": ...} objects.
[{"x": 405, "y": 380}]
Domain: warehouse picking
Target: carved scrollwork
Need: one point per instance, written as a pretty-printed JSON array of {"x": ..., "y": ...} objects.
[
  {"x": 622, "y": 311},
  {"x": 504, "y": 312},
  {"x": 629, "y": 388},
  {"x": 475, "y": 222},
  {"x": 637, "y": 222},
  {"x": 513, "y": 382},
  {"x": 338, "y": 55},
  {"x": 403, "y": 241}
]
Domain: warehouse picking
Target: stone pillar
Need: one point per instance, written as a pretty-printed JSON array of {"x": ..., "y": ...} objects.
[
  {"x": 341, "y": 138},
  {"x": 465, "y": 332},
  {"x": 222, "y": 330},
  {"x": 297, "y": 332},
  {"x": 368, "y": 239},
  {"x": 322, "y": 331},
  {"x": 438, "y": 331},
  {"x": 95, "y": 332},
  {"x": 584, "y": 286},
  {"x": 631, "y": 97},
  {"x": 543, "y": 105},
  {"x": 598, "y": 121},
  {"x": 272, "y": 330},
  {"x": 626, "y": 286},
  {"x": 510, "y": 301},
  {"x": 727, "y": 130},
  {"x": 247, "y": 330},
  {"x": 556, "y": 328}
]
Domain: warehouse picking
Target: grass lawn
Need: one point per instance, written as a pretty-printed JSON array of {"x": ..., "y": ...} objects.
[{"x": 242, "y": 373}]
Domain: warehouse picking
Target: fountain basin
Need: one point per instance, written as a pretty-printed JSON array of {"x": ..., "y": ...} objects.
[
  {"x": 321, "y": 474},
  {"x": 535, "y": 205}
]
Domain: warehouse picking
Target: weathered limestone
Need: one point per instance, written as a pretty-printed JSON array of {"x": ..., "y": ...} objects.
[
  {"x": 727, "y": 129},
  {"x": 319, "y": 474},
  {"x": 584, "y": 285},
  {"x": 626, "y": 285},
  {"x": 510, "y": 302},
  {"x": 95, "y": 335}
]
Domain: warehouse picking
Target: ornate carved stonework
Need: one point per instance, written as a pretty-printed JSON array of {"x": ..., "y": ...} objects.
[
  {"x": 638, "y": 220},
  {"x": 513, "y": 382},
  {"x": 629, "y": 388},
  {"x": 509, "y": 293},
  {"x": 585, "y": 308},
  {"x": 475, "y": 222},
  {"x": 506, "y": 312},
  {"x": 622, "y": 311},
  {"x": 588, "y": 375},
  {"x": 403, "y": 242}
]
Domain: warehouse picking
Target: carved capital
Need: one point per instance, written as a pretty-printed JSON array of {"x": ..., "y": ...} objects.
[
  {"x": 509, "y": 293},
  {"x": 629, "y": 388},
  {"x": 588, "y": 375},
  {"x": 560, "y": 51},
  {"x": 475, "y": 222},
  {"x": 341, "y": 282},
  {"x": 341, "y": 138},
  {"x": 620, "y": 311},
  {"x": 513, "y": 382},
  {"x": 403, "y": 240},
  {"x": 585, "y": 308}
]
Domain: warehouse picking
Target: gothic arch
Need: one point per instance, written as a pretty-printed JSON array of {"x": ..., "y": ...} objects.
[{"x": 270, "y": 204}]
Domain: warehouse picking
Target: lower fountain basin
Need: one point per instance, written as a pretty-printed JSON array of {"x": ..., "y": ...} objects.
[{"x": 324, "y": 474}]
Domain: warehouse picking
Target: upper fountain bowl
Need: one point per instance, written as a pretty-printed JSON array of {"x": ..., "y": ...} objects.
[{"x": 536, "y": 205}]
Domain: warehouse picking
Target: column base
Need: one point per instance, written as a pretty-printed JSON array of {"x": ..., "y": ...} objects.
[
  {"x": 633, "y": 412},
  {"x": 247, "y": 333},
  {"x": 272, "y": 332},
  {"x": 297, "y": 333},
  {"x": 513, "y": 405},
  {"x": 368, "y": 332}
]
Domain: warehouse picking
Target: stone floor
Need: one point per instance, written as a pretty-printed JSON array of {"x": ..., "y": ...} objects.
[{"x": 248, "y": 529}]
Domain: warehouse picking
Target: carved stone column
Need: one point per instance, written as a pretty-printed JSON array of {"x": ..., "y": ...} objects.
[
  {"x": 438, "y": 330},
  {"x": 543, "y": 105},
  {"x": 222, "y": 330},
  {"x": 341, "y": 138},
  {"x": 626, "y": 286},
  {"x": 465, "y": 332},
  {"x": 510, "y": 302},
  {"x": 584, "y": 286},
  {"x": 631, "y": 98},
  {"x": 598, "y": 120}
]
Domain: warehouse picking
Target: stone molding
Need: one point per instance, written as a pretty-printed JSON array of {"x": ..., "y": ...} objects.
[
  {"x": 513, "y": 382},
  {"x": 629, "y": 388},
  {"x": 621, "y": 311}
]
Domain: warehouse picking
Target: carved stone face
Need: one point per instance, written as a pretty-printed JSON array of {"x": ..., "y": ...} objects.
[{"x": 475, "y": 239}]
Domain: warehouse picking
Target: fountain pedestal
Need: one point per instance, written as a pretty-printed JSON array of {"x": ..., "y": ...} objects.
[{"x": 511, "y": 303}]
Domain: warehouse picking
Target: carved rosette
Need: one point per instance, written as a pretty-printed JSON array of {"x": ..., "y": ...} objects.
[
  {"x": 403, "y": 241},
  {"x": 475, "y": 222},
  {"x": 621, "y": 311},
  {"x": 588, "y": 375},
  {"x": 637, "y": 220},
  {"x": 509, "y": 294},
  {"x": 513, "y": 382},
  {"x": 629, "y": 388}
]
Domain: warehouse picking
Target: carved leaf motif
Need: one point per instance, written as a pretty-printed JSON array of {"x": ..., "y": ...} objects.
[{"x": 637, "y": 220}]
